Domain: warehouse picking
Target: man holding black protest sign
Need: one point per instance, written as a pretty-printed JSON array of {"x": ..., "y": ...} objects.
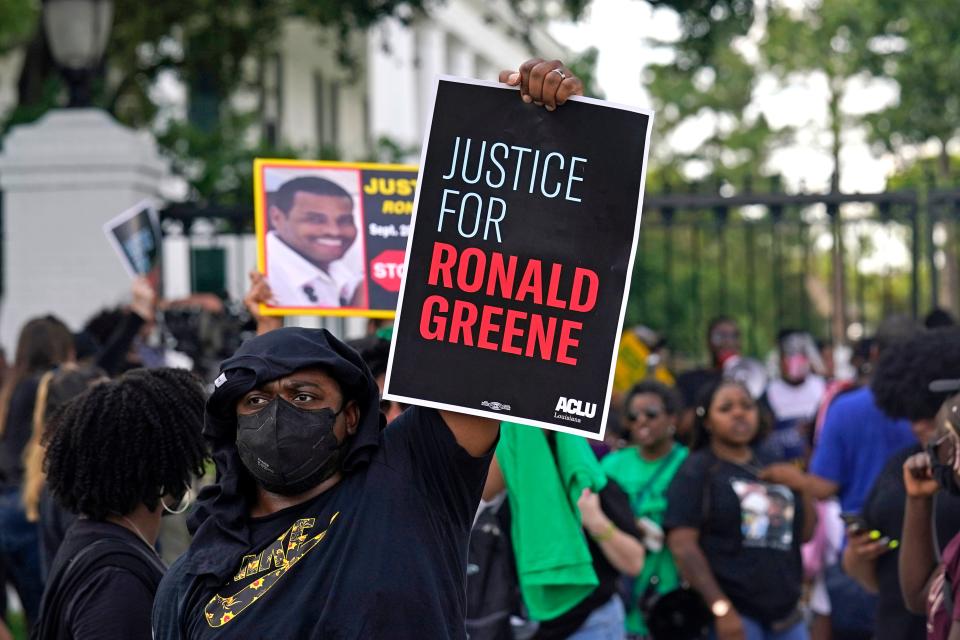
[{"x": 307, "y": 475}]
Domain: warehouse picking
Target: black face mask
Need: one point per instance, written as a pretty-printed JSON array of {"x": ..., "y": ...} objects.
[
  {"x": 287, "y": 449},
  {"x": 943, "y": 473}
]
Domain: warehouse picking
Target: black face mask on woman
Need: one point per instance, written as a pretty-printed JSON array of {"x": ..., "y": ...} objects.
[{"x": 288, "y": 449}]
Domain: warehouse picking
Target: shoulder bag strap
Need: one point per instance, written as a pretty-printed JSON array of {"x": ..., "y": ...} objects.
[
  {"x": 659, "y": 471},
  {"x": 705, "y": 502}
]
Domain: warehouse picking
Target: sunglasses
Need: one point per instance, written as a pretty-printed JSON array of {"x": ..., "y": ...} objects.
[
  {"x": 649, "y": 413},
  {"x": 724, "y": 336}
]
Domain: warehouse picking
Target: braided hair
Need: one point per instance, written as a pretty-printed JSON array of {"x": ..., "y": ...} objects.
[{"x": 128, "y": 441}]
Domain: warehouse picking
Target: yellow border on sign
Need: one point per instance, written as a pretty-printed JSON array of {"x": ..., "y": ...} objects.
[{"x": 259, "y": 208}]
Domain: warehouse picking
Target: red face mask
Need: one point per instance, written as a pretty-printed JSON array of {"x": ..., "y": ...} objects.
[
  {"x": 725, "y": 356},
  {"x": 796, "y": 367}
]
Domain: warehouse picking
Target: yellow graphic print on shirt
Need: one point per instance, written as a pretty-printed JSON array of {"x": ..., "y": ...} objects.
[{"x": 282, "y": 556}]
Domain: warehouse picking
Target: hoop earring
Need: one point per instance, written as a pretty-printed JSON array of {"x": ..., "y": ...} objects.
[{"x": 185, "y": 503}]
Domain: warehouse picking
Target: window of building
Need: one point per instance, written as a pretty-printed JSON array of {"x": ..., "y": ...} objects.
[{"x": 326, "y": 99}]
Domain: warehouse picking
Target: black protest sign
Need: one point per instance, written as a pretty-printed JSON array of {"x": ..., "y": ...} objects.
[
  {"x": 136, "y": 237},
  {"x": 332, "y": 236},
  {"x": 524, "y": 232}
]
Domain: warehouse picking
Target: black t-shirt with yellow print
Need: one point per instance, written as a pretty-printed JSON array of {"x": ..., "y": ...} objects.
[{"x": 381, "y": 555}]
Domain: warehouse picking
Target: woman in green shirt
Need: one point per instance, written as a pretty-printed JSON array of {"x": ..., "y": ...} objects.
[{"x": 645, "y": 470}]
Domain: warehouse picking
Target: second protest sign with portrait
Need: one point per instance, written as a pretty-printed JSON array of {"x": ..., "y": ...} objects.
[
  {"x": 331, "y": 236},
  {"x": 524, "y": 232}
]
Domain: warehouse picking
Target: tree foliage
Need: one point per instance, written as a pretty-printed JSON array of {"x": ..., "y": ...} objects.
[
  {"x": 19, "y": 19},
  {"x": 709, "y": 85},
  {"x": 918, "y": 47},
  {"x": 827, "y": 38}
]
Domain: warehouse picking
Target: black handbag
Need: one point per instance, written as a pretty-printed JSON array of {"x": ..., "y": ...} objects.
[{"x": 680, "y": 614}]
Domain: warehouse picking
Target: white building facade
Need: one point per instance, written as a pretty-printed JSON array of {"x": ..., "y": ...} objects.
[
  {"x": 314, "y": 103},
  {"x": 311, "y": 102}
]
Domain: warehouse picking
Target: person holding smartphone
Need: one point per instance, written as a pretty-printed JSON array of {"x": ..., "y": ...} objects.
[
  {"x": 880, "y": 554},
  {"x": 930, "y": 586}
]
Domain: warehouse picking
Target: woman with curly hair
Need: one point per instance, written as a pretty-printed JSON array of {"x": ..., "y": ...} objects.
[
  {"x": 913, "y": 380},
  {"x": 118, "y": 455},
  {"x": 735, "y": 523}
]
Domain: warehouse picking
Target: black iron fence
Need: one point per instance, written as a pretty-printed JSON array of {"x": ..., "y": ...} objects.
[{"x": 834, "y": 264}]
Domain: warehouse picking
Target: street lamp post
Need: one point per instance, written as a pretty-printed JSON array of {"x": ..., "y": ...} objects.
[{"x": 77, "y": 32}]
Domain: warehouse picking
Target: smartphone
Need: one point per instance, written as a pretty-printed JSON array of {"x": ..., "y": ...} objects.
[{"x": 854, "y": 522}]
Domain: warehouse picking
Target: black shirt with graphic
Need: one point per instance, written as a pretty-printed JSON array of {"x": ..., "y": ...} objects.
[
  {"x": 751, "y": 535},
  {"x": 380, "y": 555}
]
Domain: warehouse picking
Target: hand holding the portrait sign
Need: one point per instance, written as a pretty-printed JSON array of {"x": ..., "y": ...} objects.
[
  {"x": 144, "y": 299},
  {"x": 258, "y": 294},
  {"x": 545, "y": 84}
]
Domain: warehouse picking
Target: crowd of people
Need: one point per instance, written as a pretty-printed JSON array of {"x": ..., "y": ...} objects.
[{"x": 743, "y": 502}]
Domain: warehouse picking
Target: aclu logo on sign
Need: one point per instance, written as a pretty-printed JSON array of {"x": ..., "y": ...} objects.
[
  {"x": 570, "y": 408},
  {"x": 496, "y": 406}
]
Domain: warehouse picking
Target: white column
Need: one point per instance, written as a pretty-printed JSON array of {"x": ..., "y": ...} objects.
[
  {"x": 241, "y": 260},
  {"x": 487, "y": 71},
  {"x": 176, "y": 266},
  {"x": 432, "y": 54},
  {"x": 391, "y": 80},
  {"x": 462, "y": 61},
  {"x": 62, "y": 178}
]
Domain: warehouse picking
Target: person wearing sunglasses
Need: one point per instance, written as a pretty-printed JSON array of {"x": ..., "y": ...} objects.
[
  {"x": 645, "y": 470},
  {"x": 931, "y": 477}
]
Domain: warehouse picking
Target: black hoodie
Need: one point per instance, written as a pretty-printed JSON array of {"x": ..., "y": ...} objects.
[{"x": 390, "y": 538}]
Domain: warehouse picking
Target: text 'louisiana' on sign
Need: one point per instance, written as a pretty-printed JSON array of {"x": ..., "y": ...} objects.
[{"x": 524, "y": 231}]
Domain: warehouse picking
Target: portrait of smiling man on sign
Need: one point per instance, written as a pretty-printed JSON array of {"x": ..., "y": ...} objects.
[{"x": 312, "y": 227}]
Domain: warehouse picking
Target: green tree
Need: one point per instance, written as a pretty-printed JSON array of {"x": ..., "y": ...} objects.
[
  {"x": 918, "y": 46},
  {"x": 711, "y": 82},
  {"x": 829, "y": 38},
  {"x": 695, "y": 264},
  {"x": 19, "y": 21}
]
